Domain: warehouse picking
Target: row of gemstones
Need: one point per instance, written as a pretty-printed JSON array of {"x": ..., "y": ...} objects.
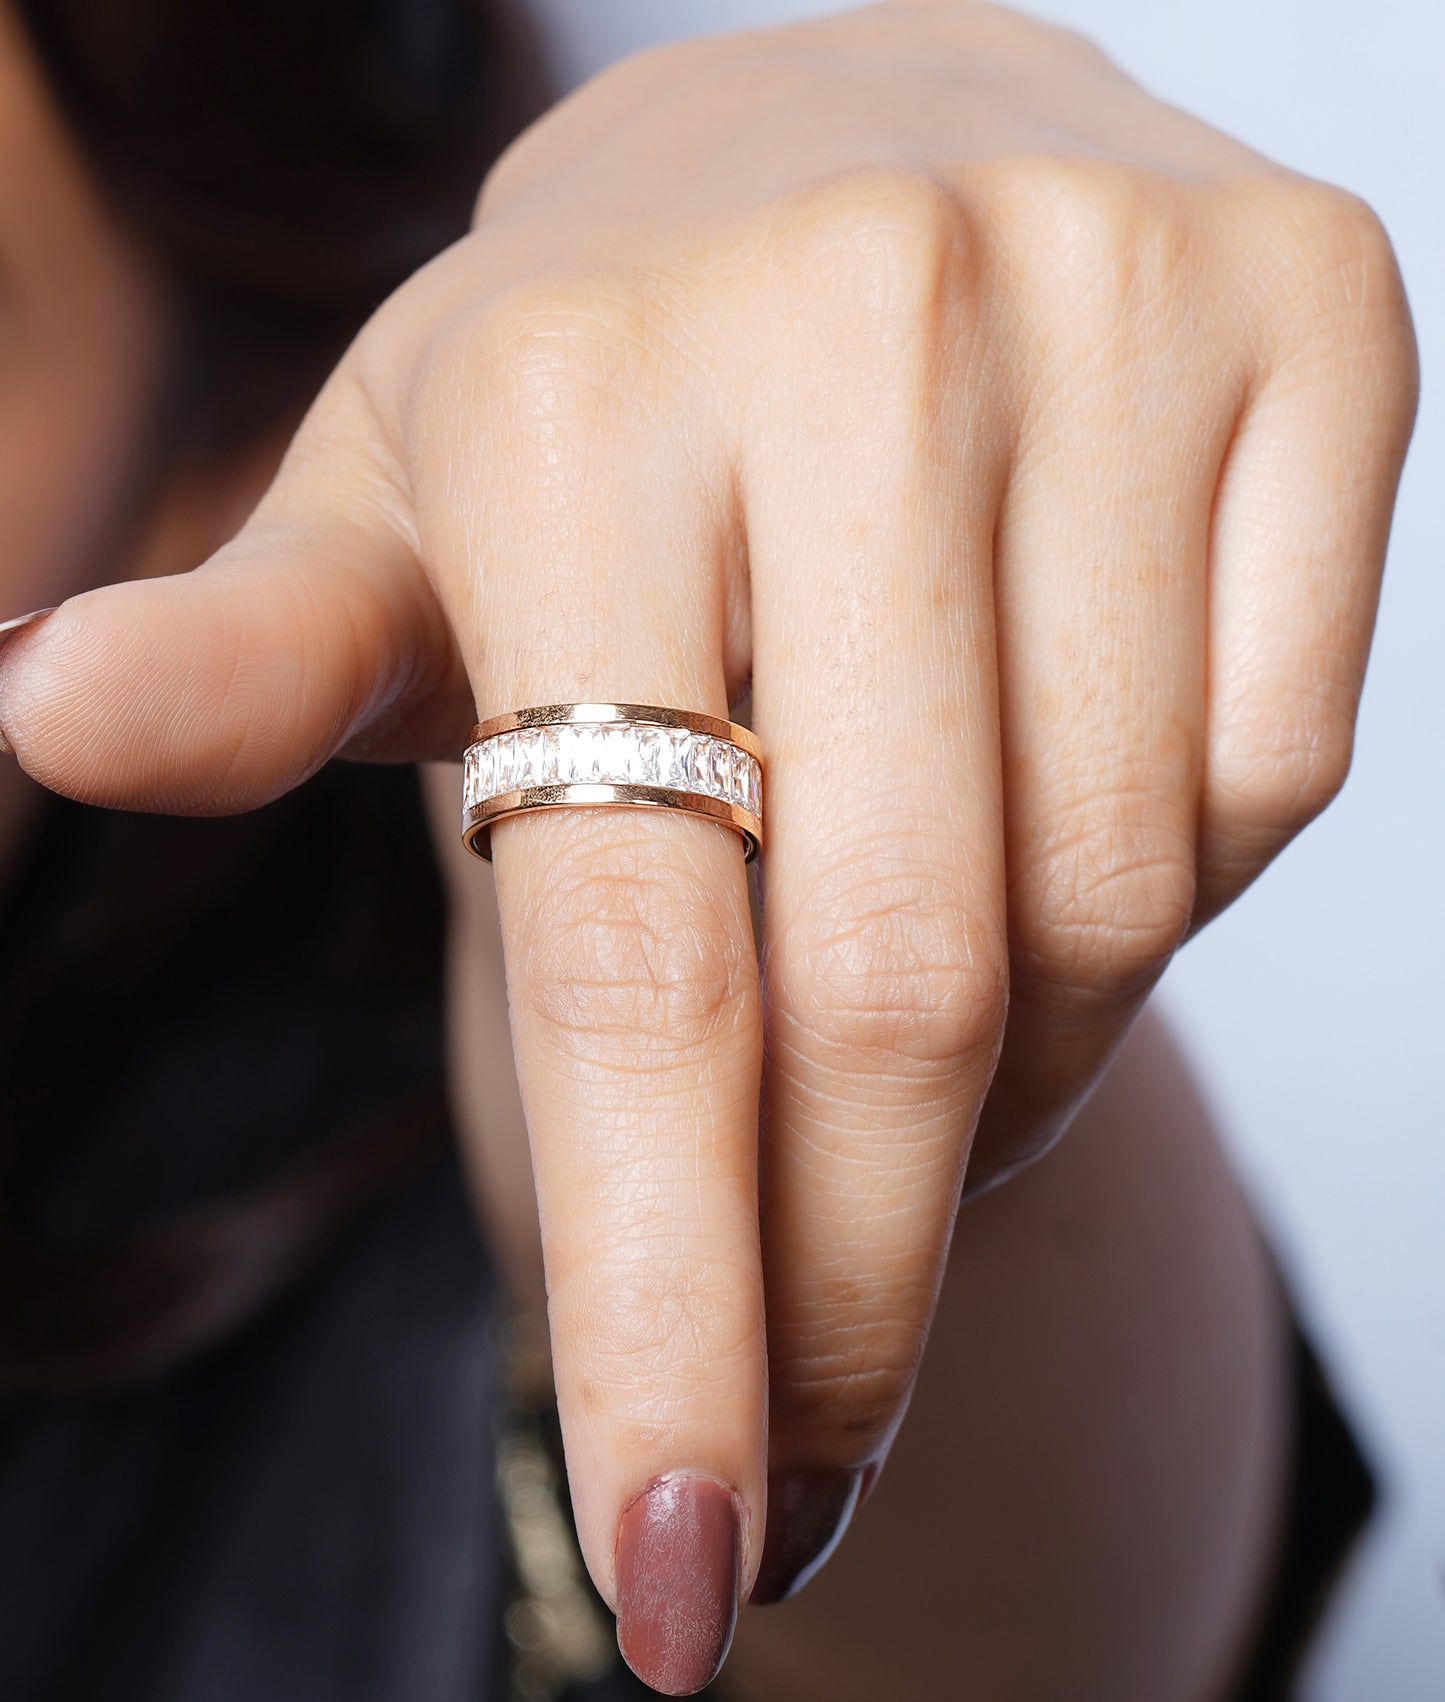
[{"x": 618, "y": 754}]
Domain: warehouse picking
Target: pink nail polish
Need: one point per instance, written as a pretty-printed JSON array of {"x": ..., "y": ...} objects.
[
  {"x": 678, "y": 1551},
  {"x": 808, "y": 1512}
]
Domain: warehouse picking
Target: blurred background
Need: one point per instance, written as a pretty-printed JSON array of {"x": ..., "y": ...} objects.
[{"x": 1315, "y": 1010}]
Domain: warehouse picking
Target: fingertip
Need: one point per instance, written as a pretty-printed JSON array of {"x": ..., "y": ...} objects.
[
  {"x": 214, "y": 691},
  {"x": 140, "y": 696}
]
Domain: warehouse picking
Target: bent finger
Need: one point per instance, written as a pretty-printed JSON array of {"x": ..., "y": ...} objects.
[
  {"x": 313, "y": 631},
  {"x": 1302, "y": 520},
  {"x": 1101, "y": 565},
  {"x": 871, "y": 492}
]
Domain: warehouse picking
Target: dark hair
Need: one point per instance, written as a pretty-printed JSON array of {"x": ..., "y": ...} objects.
[{"x": 288, "y": 162}]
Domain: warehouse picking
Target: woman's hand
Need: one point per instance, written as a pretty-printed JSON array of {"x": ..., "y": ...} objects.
[{"x": 1031, "y": 449}]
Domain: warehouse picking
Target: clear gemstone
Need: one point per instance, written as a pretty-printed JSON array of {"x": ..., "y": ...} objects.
[
  {"x": 567, "y": 754},
  {"x": 505, "y": 748},
  {"x": 631, "y": 769},
  {"x": 698, "y": 762},
  {"x": 652, "y": 743},
  {"x": 738, "y": 777},
  {"x": 721, "y": 777},
  {"x": 755, "y": 787},
  {"x": 581, "y": 755},
  {"x": 547, "y": 757},
  {"x": 617, "y": 746},
  {"x": 529, "y": 757},
  {"x": 537, "y": 757},
  {"x": 672, "y": 756},
  {"x": 480, "y": 763},
  {"x": 684, "y": 759}
]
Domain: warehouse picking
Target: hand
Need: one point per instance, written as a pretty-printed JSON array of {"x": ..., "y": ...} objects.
[{"x": 1030, "y": 448}]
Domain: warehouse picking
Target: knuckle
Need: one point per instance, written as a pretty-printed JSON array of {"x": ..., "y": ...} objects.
[
  {"x": 1071, "y": 43},
  {"x": 896, "y": 969},
  {"x": 1332, "y": 274},
  {"x": 633, "y": 956},
  {"x": 1103, "y": 242},
  {"x": 1334, "y": 239},
  {"x": 880, "y": 253},
  {"x": 1280, "y": 771},
  {"x": 1105, "y": 901},
  {"x": 563, "y": 355}
]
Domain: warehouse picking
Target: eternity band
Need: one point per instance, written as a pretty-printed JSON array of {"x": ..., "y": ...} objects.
[{"x": 632, "y": 754}]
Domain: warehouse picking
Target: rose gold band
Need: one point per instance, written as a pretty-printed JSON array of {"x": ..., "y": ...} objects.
[{"x": 632, "y": 754}]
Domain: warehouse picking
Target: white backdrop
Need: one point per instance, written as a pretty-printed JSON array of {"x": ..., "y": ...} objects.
[{"x": 1316, "y": 1008}]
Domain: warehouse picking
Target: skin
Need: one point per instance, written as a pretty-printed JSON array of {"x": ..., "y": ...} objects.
[{"x": 1027, "y": 447}]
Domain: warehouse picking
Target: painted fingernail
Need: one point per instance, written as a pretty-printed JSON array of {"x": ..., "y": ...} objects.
[
  {"x": 807, "y": 1515},
  {"x": 6, "y": 629},
  {"x": 678, "y": 1550}
]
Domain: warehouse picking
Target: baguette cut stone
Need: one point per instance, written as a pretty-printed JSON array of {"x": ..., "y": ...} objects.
[
  {"x": 550, "y": 756},
  {"x": 650, "y": 743},
  {"x": 579, "y": 754},
  {"x": 679, "y": 752},
  {"x": 699, "y": 763},
  {"x": 619, "y": 755},
  {"x": 507, "y": 762},
  {"x": 529, "y": 758},
  {"x": 612, "y": 754}
]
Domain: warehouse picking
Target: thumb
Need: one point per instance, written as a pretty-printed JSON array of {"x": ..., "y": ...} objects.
[{"x": 314, "y": 632}]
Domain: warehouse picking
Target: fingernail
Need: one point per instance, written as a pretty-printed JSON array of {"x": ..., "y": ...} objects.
[
  {"x": 6, "y": 629},
  {"x": 807, "y": 1515},
  {"x": 678, "y": 1549}
]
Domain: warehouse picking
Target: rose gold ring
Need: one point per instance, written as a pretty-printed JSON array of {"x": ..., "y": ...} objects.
[{"x": 633, "y": 754}]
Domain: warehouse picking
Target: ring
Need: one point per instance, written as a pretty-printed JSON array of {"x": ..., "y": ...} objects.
[{"x": 633, "y": 754}]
